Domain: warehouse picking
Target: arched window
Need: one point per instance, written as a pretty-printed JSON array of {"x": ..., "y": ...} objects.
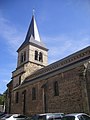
[
  {"x": 56, "y": 88},
  {"x": 40, "y": 57},
  {"x": 19, "y": 80},
  {"x": 33, "y": 93},
  {"x": 21, "y": 57},
  {"x": 17, "y": 97},
  {"x": 36, "y": 55},
  {"x": 24, "y": 55}
]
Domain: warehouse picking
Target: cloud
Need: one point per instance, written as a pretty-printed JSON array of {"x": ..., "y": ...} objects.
[
  {"x": 11, "y": 34},
  {"x": 64, "y": 45},
  {"x": 59, "y": 46}
]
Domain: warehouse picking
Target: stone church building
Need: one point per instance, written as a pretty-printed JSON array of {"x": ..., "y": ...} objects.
[{"x": 36, "y": 87}]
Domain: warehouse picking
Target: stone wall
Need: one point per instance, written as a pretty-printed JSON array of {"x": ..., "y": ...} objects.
[
  {"x": 31, "y": 106},
  {"x": 70, "y": 97},
  {"x": 32, "y": 55},
  {"x": 88, "y": 84},
  {"x": 29, "y": 66},
  {"x": 25, "y": 49},
  {"x": 24, "y": 71}
]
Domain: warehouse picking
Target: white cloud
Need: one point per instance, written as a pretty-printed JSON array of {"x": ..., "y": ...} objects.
[
  {"x": 59, "y": 46},
  {"x": 11, "y": 34},
  {"x": 62, "y": 46}
]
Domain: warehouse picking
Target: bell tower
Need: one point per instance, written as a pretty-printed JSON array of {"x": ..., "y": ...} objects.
[{"x": 32, "y": 55}]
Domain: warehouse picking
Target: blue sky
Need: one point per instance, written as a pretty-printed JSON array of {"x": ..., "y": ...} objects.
[{"x": 64, "y": 26}]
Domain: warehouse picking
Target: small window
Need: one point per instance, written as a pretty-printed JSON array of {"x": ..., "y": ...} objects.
[
  {"x": 56, "y": 89},
  {"x": 17, "y": 97},
  {"x": 24, "y": 55},
  {"x": 19, "y": 80},
  {"x": 33, "y": 93},
  {"x": 40, "y": 57},
  {"x": 36, "y": 55},
  {"x": 21, "y": 57}
]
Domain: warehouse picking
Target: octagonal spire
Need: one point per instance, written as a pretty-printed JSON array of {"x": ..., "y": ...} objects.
[
  {"x": 33, "y": 30},
  {"x": 33, "y": 36}
]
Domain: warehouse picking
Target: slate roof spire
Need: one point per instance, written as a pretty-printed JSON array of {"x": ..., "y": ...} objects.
[{"x": 33, "y": 36}]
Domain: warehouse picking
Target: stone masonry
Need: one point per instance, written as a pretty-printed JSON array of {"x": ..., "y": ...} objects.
[{"x": 63, "y": 86}]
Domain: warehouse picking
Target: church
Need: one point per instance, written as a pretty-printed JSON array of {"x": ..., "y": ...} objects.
[{"x": 36, "y": 87}]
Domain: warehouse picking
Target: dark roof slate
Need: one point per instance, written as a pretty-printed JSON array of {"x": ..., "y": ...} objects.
[{"x": 30, "y": 37}]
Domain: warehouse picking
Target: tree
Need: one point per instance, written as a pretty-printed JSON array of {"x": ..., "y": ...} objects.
[{"x": 2, "y": 99}]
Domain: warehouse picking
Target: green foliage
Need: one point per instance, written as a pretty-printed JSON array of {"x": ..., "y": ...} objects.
[{"x": 2, "y": 99}]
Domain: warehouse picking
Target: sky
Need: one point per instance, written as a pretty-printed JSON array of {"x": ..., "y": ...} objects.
[{"x": 64, "y": 27}]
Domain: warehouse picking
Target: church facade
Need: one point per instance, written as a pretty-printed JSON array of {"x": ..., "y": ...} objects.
[{"x": 36, "y": 87}]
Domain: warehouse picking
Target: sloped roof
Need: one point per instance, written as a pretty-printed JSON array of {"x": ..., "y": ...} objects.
[
  {"x": 33, "y": 36},
  {"x": 78, "y": 57},
  {"x": 60, "y": 66}
]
